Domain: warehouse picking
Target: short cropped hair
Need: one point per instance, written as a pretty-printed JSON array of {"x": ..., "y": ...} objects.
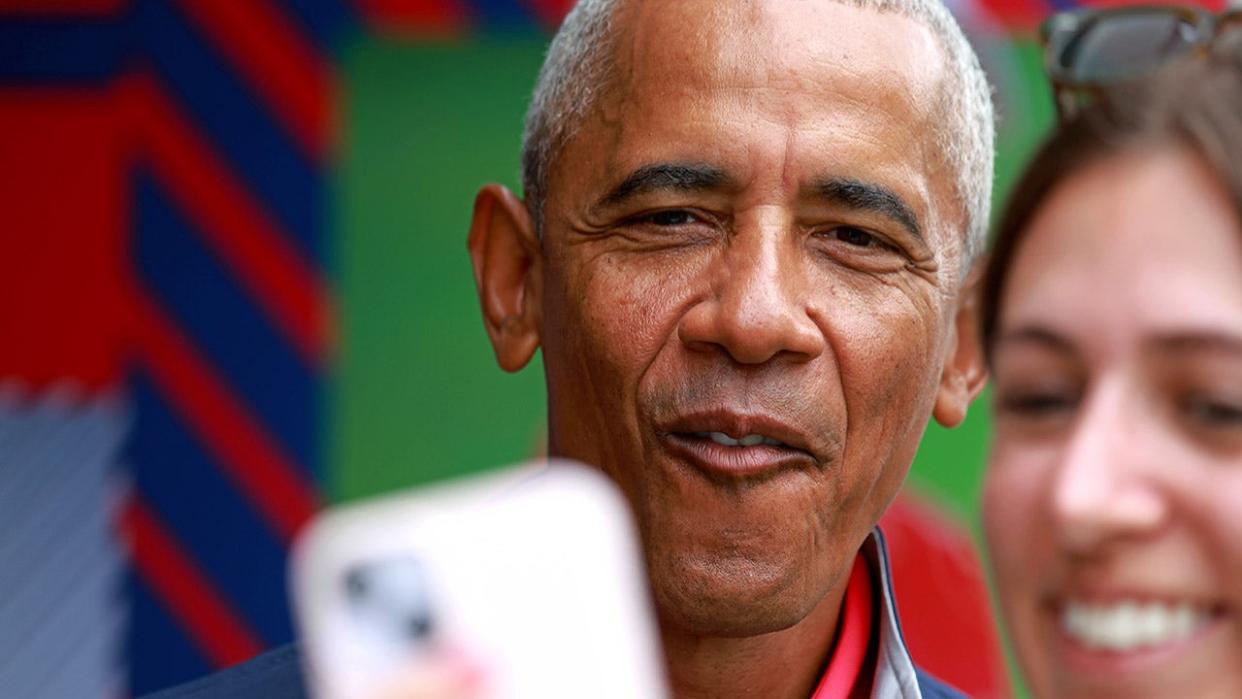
[{"x": 579, "y": 64}]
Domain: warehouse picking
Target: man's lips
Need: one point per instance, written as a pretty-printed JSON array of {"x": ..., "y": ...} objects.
[{"x": 738, "y": 445}]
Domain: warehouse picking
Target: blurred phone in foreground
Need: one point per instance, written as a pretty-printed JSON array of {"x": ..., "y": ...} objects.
[{"x": 522, "y": 583}]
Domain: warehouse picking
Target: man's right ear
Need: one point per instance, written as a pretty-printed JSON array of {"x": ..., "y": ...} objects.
[{"x": 507, "y": 260}]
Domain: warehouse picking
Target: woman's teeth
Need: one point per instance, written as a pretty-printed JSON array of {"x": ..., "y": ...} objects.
[
  {"x": 1130, "y": 625},
  {"x": 749, "y": 440}
]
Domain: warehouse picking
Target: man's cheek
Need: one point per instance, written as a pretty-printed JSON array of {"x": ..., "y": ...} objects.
[
  {"x": 627, "y": 314},
  {"x": 888, "y": 359}
]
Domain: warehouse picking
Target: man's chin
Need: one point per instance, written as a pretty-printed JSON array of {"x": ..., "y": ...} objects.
[{"x": 729, "y": 598}]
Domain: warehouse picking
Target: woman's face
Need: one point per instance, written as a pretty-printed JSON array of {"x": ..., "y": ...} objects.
[{"x": 1113, "y": 502}]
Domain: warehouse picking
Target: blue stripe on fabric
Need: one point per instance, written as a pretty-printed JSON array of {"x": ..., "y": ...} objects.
[
  {"x": 237, "y": 123},
  {"x": 54, "y": 51},
  {"x": 326, "y": 22},
  {"x": 503, "y": 15},
  {"x": 207, "y": 515},
  {"x": 226, "y": 326},
  {"x": 1062, "y": 5},
  {"x": 160, "y": 653}
]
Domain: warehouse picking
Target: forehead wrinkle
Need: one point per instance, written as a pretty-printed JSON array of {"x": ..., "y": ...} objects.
[{"x": 789, "y": 174}]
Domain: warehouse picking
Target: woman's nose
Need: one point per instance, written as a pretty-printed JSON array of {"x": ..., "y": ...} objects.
[{"x": 1103, "y": 489}]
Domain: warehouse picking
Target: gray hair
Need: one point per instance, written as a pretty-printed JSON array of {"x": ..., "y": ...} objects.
[{"x": 579, "y": 62}]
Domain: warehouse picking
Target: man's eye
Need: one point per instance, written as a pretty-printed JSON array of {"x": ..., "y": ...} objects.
[
  {"x": 672, "y": 217},
  {"x": 854, "y": 236},
  {"x": 857, "y": 238}
]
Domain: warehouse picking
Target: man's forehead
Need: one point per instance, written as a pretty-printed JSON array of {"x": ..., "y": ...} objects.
[
  {"x": 774, "y": 43},
  {"x": 826, "y": 83}
]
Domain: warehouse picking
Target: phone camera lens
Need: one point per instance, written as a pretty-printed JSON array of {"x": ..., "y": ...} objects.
[
  {"x": 356, "y": 584},
  {"x": 418, "y": 626}
]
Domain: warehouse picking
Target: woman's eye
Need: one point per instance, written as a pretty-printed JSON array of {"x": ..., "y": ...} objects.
[
  {"x": 1213, "y": 413},
  {"x": 1036, "y": 405}
]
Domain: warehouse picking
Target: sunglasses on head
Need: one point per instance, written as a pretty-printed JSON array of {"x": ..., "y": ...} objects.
[{"x": 1088, "y": 51}]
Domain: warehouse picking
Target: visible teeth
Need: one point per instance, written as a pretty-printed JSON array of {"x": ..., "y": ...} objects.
[
  {"x": 750, "y": 440},
  {"x": 1128, "y": 624}
]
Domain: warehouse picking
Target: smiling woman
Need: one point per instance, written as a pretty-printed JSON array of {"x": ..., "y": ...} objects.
[{"x": 1113, "y": 324}]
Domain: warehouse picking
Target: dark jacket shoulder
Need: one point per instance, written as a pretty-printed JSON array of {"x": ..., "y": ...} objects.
[{"x": 276, "y": 674}]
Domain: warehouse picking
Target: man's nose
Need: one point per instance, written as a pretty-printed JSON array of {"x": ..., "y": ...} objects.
[
  {"x": 758, "y": 308},
  {"x": 1104, "y": 489}
]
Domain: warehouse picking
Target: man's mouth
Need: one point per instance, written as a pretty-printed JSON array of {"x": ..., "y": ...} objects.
[
  {"x": 1128, "y": 625},
  {"x": 750, "y": 440},
  {"x": 728, "y": 445}
]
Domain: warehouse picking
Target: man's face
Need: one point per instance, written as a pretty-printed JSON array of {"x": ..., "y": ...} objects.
[{"x": 751, "y": 239}]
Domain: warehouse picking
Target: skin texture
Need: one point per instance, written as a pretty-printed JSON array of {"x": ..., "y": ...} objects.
[
  {"x": 725, "y": 291},
  {"x": 1115, "y": 471}
]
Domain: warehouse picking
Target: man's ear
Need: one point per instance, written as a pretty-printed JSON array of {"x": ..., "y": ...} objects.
[
  {"x": 507, "y": 260},
  {"x": 965, "y": 371}
]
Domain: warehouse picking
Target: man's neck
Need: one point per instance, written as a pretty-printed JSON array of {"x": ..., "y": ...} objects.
[{"x": 784, "y": 664}]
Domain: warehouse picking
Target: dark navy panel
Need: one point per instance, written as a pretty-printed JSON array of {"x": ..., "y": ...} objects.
[
  {"x": 55, "y": 51},
  {"x": 161, "y": 654},
  {"x": 236, "y": 120},
  {"x": 226, "y": 325},
  {"x": 503, "y": 15},
  {"x": 326, "y": 22},
  {"x": 206, "y": 514}
]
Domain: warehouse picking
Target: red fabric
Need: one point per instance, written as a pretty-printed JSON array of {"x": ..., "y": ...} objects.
[
  {"x": 551, "y": 12},
  {"x": 71, "y": 8},
  {"x": 942, "y": 598},
  {"x": 850, "y": 653},
  {"x": 63, "y": 234},
  {"x": 410, "y": 18}
]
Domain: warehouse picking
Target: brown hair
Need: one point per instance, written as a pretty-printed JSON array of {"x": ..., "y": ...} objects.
[{"x": 1196, "y": 104}]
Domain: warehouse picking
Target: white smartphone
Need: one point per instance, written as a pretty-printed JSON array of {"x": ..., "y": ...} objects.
[{"x": 533, "y": 573}]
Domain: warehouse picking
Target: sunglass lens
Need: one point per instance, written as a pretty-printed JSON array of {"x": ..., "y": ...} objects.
[{"x": 1122, "y": 46}]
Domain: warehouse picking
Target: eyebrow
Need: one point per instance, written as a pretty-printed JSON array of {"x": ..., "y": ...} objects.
[
  {"x": 1189, "y": 341},
  {"x": 870, "y": 197},
  {"x": 679, "y": 177},
  {"x": 1208, "y": 340}
]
